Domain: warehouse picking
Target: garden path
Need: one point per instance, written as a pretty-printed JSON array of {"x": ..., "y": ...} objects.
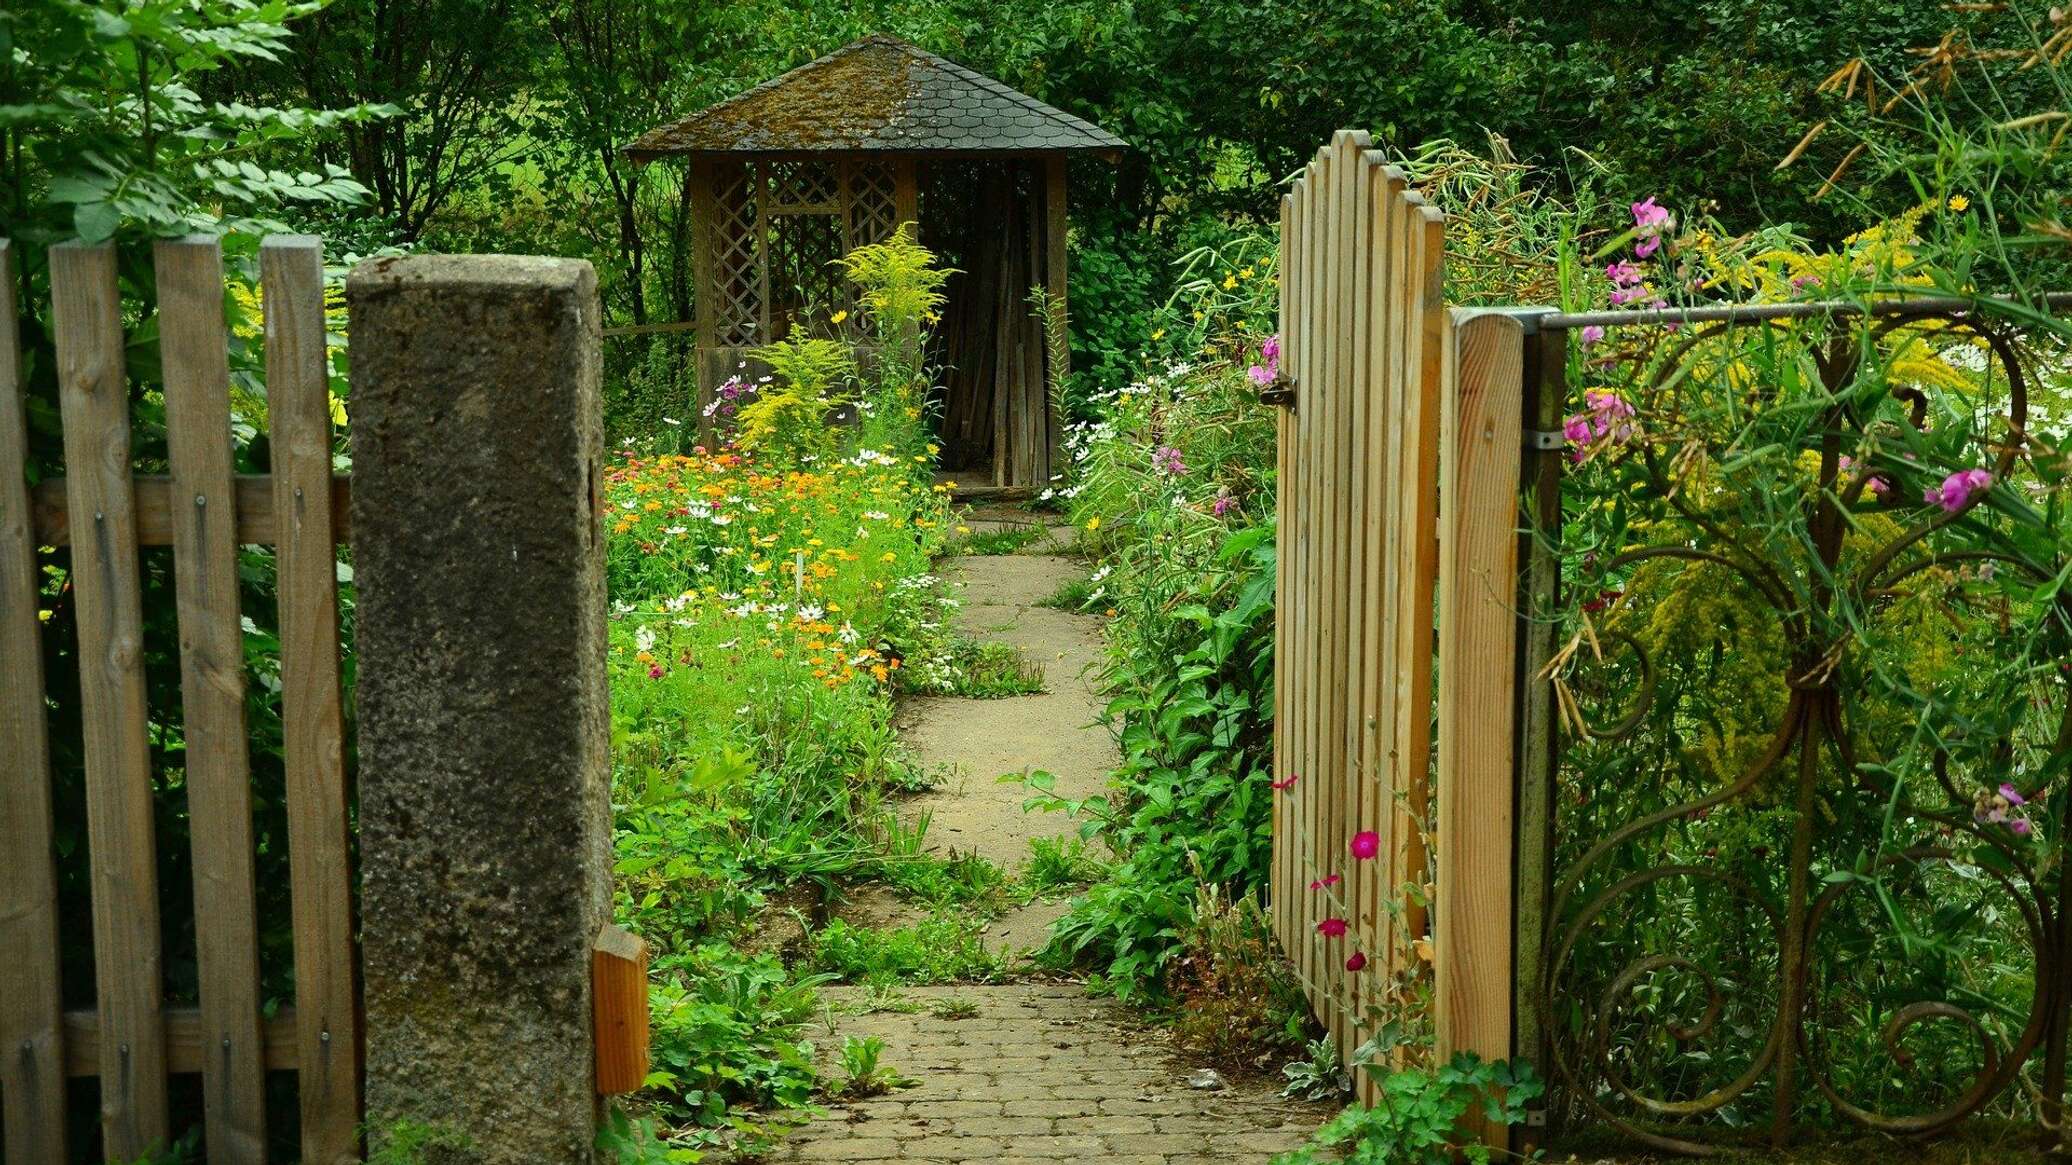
[{"x": 1026, "y": 1072}]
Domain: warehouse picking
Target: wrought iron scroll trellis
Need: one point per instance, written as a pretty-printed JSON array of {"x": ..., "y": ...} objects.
[{"x": 1692, "y": 1048}]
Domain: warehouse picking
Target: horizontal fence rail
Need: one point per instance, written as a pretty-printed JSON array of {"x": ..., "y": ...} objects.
[{"x": 100, "y": 514}]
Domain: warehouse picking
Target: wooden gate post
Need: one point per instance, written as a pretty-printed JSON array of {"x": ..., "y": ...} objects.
[{"x": 484, "y": 724}]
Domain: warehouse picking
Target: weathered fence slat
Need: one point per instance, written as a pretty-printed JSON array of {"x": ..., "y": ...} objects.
[
  {"x": 299, "y": 411},
  {"x": 1481, "y": 435},
  {"x": 32, "y": 1084},
  {"x": 193, "y": 345},
  {"x": 94, "y": 403}
]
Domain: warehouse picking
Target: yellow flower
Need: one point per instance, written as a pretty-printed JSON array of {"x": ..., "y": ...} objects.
[
  {"x": 838, "y": 317},
  {"x": 1158, "y": 334},
  {"x": 1094, "y": 523},
  {"x": 1229, "y": 281},
  {"x": 1959, "y": 203}
]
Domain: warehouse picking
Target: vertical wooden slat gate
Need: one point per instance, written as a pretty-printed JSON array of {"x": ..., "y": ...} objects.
[
  {"x": 131, "y": 1039},
  {"x": 1398, "y": 475},
  {"x": 1362, "y": 334}
]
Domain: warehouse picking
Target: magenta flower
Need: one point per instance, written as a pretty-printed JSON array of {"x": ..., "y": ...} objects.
[
  {"x": 1621, "y": 296},
  {"x": 2012, "y": 795},
  {"x": 1287, "y": 782},
  {"x": 1958, "y": 489},
  {"x": 1607, "y": 417},
  {"x": 1647, "y": 246},
  {"x": 1331, "y": 927},
  {"x": 2020, "y": 826},
  {"x": 1365, "y": 844},
  {"x": 655, "y": 672},
  {"x": 1166, "y": 459},
  {"x": 1320, "y": 883},
  {"x": 1649, "y": 218},
  {"x": 1357, "y": 962},
  {"x": 1622, "y": 273},
  {"x": 1224, "y": 503},
  {"x": 1269, "y": 365},
  {"x": 1594, "y": 334}
]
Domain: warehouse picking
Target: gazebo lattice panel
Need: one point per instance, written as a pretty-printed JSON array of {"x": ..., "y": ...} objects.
[
  {"x": 737, "y": 276},
  {"x": 873, "y": 203}
]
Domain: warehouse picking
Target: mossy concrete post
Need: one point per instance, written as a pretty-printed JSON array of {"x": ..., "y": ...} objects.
[{"x": 485, "y": 817}]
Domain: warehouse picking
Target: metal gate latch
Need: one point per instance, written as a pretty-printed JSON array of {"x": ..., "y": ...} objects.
[{"x": 1280, "y": 393}]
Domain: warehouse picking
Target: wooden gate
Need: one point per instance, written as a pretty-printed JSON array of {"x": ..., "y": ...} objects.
[
  {"x": 1362, "y": 331},
  {"x": 1382, "y": 576},
  {"x": 102, "y": 513}
]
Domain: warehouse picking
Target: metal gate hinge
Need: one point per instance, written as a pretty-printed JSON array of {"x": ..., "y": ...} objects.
[
  {"x": 1544, "y": 441},
  {"x": 1280, "y": 393}
]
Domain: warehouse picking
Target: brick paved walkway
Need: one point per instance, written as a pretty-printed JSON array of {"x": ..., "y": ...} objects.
[{"x": 1042, "y": 1073}]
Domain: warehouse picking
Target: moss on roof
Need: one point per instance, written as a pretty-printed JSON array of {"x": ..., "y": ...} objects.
[{"x": 880, "y": 94}]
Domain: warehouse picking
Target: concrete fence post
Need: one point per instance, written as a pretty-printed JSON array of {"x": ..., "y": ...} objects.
[{"x": 485, "y": 817}]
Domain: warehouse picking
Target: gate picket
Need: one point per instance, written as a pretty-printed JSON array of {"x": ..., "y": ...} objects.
[
  {"x": 32, "y": 1079},
  {"x": 212, "y": 683},
  {"x": 94, "y": 402}
]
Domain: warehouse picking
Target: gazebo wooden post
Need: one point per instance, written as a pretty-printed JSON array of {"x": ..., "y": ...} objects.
[
  {"x": 906, "y": 194},
  {"x": 1054, "y": 279},
  {"x": 704, "y": 290}
]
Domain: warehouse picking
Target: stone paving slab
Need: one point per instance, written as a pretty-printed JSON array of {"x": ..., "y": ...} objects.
[{"x": 1040, "y": 1073}]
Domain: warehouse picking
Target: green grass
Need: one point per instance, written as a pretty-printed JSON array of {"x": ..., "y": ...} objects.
[
  {"x": 987, "y": 670},
  {"x": 948, "y": 948},
  {"x": 1007, "y": 540}
]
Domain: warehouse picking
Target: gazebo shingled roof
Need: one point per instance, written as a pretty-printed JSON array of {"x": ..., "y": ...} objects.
[{"x": 878, "y": 94}]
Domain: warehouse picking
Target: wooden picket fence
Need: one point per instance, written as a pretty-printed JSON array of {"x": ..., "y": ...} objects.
[
  {"x": 1383, "y": 575},
  {"x": 132, "y": 1039}
]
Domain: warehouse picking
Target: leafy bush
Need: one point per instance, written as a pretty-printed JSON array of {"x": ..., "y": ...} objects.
[{"x": 1417, "y": 1120}]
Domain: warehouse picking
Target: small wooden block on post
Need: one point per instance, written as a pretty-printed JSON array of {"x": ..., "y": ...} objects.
[{"x": 619, "y": 1009}]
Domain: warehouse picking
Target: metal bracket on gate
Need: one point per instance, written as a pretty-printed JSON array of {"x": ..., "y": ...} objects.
[
  {"x": 1280, "y": 393},
  {"x": 1543, "y": 441}
]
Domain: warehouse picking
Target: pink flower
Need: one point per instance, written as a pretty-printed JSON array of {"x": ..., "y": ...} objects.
[
  {"x": 1166, "y": 459},
  {"x": 2013, "y": 795},
  {"x": 1269, "y": 365},
  {"x": 1608, "y": 416},
  {"x": 1287, "y": 782},
  {"x": 1958, "y": 489},
  {"x": 1622, "y": 273},
  {"x": 1802, "y": 282},
  {"x": 1647, "y": 246},
  {"x": 1224, "y": 503},
  {"x": 1594, "y": 334},
  {"x": 1365, "y": 844},
  {"x": 1648, "y": 218},
  {"x": 655, "y": 672},
  {"x": 1331, "y": 927},
  {"x": 1357, "y": 962},
  {"x": 2020, "y": 826},
  {"x": 1332, "y": 880},
  {"x": 1621, "y": 296}
]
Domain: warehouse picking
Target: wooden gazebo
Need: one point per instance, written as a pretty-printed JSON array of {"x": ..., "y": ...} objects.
[{"x": 788, "y": 176}]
